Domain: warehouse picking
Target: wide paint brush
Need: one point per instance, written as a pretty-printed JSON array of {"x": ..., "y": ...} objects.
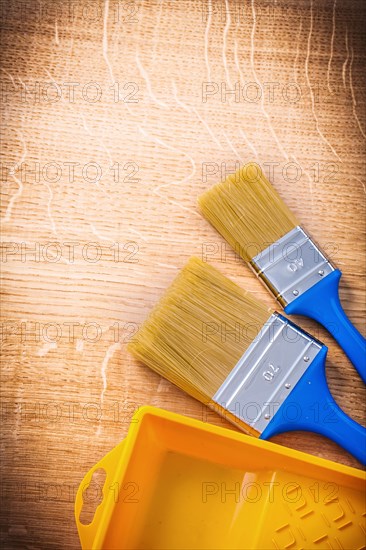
[
  {"x": 224, "y": 347},
  {"x": 252, "y": 217}
]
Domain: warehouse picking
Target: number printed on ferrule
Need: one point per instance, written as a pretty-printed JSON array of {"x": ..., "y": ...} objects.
[{"x": 271, "y": 372}]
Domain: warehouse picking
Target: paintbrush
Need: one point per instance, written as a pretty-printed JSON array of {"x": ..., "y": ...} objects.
[
  {"x": 222, "y": 346},
  {"x": 252, "y": 217}
]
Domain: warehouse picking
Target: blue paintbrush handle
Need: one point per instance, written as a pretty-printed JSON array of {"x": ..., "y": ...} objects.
[
  {"x": 311, "y": 407},
  {"x": 321, "y": 302}
]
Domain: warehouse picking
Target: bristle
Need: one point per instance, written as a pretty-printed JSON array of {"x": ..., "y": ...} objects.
[
  {"x": 199, "y": 330},
  {"x": 247, "y": 211}
]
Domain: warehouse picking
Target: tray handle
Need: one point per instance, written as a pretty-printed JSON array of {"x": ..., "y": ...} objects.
[{"x": 87, "y": 533}]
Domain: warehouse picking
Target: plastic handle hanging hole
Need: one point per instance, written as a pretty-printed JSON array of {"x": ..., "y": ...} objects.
[{"x": 92, "y": 496}]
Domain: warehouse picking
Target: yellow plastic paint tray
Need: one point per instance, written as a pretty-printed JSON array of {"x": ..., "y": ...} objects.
[{"x": 178, "y": 483}]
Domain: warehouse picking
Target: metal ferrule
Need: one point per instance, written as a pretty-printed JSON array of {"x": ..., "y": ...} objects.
[
  {"x": 267, "y": 372},
  {"x": 291, "y": 266}
]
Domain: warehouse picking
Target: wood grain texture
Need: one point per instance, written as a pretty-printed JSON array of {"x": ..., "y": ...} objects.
[{"x": 87, "y": 251}]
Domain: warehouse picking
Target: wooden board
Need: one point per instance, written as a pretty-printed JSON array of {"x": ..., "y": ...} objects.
[{"x": 116, "y": 116}]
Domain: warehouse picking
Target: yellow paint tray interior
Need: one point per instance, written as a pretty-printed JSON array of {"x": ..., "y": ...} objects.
[{"x": 178, "y": 483}]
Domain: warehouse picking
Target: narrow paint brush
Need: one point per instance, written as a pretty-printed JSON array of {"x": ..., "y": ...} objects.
[
  {"x": 252, "y": 217},
  {"x": 224, "y": 347}
]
